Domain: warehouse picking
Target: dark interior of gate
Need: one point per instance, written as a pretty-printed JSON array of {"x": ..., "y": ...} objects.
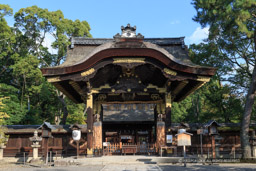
[{"x": 129, "y": 113}]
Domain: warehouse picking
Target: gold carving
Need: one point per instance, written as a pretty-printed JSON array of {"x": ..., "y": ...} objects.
[
  {"x": 161, "y": 90},
  {"x": 113, "y": 94},
  {"x": 158, "y": 108},
  {"x": 96, "y": 90},
  {"x": 142, "y": 94},
  {"x": 170, "y": 72},
  {"x": 168, "y": 100},
  {"x": 129, "y": 60},
  {"x": 89, "y": 151},
  {"x": 90, "y": 101},
  {"x": 53, "y": 79},
  {"x": 101, "y": 97},
  {"x": 203, "y": 78},
  {"x": 163, "y": 108},
  {"x": 88, "y": 72},
  {"x": 155, "y": 97}
]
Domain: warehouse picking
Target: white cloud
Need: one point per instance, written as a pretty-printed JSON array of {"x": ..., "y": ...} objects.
[
  {"x": 48, "y": 40},
  {"x": 198, "y": 35}
]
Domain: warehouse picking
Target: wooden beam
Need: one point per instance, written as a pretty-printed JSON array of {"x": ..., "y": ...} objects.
[
  {"x": 179, "y": 87},
  {"x": 197, "y": 86},
  {"x": 64, "y": 91},
  {"x": 78, "y": 89}
]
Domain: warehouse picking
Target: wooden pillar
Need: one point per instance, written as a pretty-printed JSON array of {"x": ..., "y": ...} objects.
[
  {"x": 89, "y": 125},
  {"x": 160, "y": 134},
  {"x": 168, "y": 106},
  {"x": 45, "y": 142},
  {"x": 97, "y": 135},
  {"x": 213, "y": 147}
]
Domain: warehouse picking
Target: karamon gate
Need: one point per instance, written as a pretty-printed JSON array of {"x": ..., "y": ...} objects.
[{"x": 128, "y": 84}]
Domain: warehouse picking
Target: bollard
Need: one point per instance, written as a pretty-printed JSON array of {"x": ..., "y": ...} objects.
[
  {"x": 24, "y": 158},
  {"x": 46, "y": 161},
  {"x": 50, "y": 157}
]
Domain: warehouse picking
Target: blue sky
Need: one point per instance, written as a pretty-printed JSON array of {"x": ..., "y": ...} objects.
[{"x": 153, "y": 18}]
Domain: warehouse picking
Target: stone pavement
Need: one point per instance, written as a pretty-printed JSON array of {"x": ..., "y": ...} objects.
[
  {"x": 126, "y": 163},
  {"x": 129, "y": 159},
  {"x": 139, "y": 167}
]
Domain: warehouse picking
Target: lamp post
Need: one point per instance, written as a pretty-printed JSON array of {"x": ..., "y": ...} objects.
[
  {"x": 46, "y": 134},
  {"x": 184, "y": 139},
  {"x": 76, "y": 135},
  {"x": 212, "y": 126}
]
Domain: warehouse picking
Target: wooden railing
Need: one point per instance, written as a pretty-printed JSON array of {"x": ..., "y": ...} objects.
[{"x": 128, "y": 148}]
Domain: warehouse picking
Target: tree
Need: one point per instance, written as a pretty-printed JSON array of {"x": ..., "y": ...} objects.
[
  {"x": 36, "y": 23},
  {"x": 23, "y": 52},
  {"x": 3, "y": 116},
  {"x": 7, "y": 38},
  {"x": 16, "y": 113},
  {"x": 232, "y": 29}
]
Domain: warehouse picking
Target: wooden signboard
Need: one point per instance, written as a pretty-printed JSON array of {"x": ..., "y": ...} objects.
[{"x": 184, "y": 139}]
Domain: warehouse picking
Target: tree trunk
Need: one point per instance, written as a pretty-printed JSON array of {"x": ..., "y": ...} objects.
[
  {"x": 244, "y": 134},
  {"x": 64, "y": 109}
]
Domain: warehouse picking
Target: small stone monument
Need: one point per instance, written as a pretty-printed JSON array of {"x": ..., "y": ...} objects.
[
  {"x": 253, "y": 139},
  {"x": 2, "y": 146},
  {"x": 35, "y": 139}
]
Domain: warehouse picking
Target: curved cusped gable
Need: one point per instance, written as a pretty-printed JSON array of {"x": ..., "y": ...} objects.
[
  {"x": 130, "y": 49},
  {"x": 160, "y": 65}
]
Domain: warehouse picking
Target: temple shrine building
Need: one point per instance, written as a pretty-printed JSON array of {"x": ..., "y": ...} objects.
[{"x": 128, "y": 84}]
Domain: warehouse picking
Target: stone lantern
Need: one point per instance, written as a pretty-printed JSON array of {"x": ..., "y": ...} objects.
[
  {"x": 2, "y": 145},
  {"x": 35, "y": 140}
]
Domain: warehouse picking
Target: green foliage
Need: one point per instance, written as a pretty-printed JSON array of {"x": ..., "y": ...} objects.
[
  {"x": 32, "y": 99},
  {"x": 76, "y": 114},
  {"x": 215, "y": 100},
  {"x": 12, "y": 107},
  {"x": 233, "y": 32}
]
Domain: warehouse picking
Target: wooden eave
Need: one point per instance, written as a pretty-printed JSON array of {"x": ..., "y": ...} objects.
[
  {"x": 131, "y": 53},
  {"x": 185, "y": 76}
]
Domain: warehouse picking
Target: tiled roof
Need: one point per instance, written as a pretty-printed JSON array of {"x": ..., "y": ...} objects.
[{"x": 100, "y": 41}]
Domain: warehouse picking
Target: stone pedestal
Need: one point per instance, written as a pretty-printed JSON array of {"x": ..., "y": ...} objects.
[
  {"x": 254, "y": 151},
  {"x": 2, "y": 147},
  {"x": 97, "y": 135},
  {"x": 160, "y": 134},
  {"x": 35, "y": 147}
]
